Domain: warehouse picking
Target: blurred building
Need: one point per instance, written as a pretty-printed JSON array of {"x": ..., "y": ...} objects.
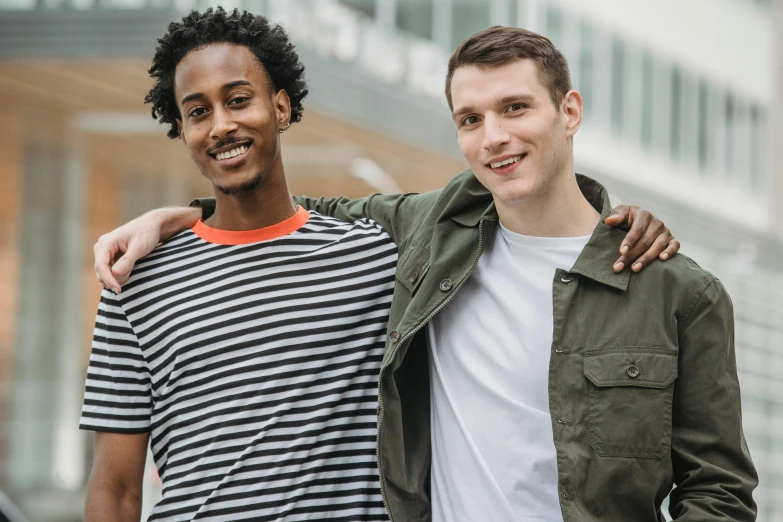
[{"x": 681, "y": 100}]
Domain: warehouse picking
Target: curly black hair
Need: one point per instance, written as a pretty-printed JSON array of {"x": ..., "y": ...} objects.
[{"x": 269, "y": 43}]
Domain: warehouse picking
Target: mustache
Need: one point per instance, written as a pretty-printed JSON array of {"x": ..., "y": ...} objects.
[{"x": 227, "y": 141}]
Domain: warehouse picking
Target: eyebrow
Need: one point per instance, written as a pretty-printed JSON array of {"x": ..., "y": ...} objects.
[
  {"x": 505, "y": 100},
  {"x": 226, "y": 87}
]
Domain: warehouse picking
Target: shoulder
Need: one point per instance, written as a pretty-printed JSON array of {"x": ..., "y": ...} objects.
[
  {"x": 686, "y": 283},
  {"x": 167, "y": 259},
  {"x": 684, "y": 272},
  {"x": 463, "y": 198},
  {"x": 464, "y": 184},
  {"x": 705, "y": 289},
  {"x": 327, "y": 225}
]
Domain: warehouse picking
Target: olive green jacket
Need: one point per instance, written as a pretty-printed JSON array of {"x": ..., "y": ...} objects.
[{"x": 643, "y": 389}]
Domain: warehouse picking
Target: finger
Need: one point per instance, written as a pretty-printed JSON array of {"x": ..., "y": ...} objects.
[
  {"x": 104, "y": 255},
  {"x": 123, "y": 267},
  {"x": 640, "y": 221},
  {"x": 643, "y": 245},
  {"x": 122, "y": 277},
  {"x": 672, "y": 248},
  {"x": 619, "y": 216},
  {"x": 647, "y": 244},
  {"x": 137, "y": 249},
  {"x": 656, "y": 248}
]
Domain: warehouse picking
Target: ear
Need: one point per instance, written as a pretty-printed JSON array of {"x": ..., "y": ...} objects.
[
  {"x": 282, "y": 105},
  {"x": 179, "y": 131},
  {"x": 572, "y": 108}
]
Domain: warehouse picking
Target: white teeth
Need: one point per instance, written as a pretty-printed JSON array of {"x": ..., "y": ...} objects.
[
  {"x": 505, "y": 162},
  {"x": 232, "y": 153}
]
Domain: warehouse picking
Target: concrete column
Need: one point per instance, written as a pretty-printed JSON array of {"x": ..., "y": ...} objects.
[
  {"x": 47, "y": 450},
  {"x": 69, "y": 448},
  {"x": 11, "y": 178}
]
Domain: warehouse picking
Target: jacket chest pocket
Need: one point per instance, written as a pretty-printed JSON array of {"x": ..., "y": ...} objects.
[
  {"x": 412, "y": 267},
  {"x": 630, "y": 393}
]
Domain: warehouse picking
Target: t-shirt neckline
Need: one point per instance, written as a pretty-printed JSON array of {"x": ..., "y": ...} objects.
[
  {"x": 543, "y": 241},
  {"x": 243, "y": 237}
]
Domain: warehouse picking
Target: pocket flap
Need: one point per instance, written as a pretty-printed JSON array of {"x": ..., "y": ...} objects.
[
  {"x": 631, "y": 368},
  {"x": 412, "y": 266}
]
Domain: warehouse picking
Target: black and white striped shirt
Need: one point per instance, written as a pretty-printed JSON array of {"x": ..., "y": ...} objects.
[{"x": 253, "y": 364}]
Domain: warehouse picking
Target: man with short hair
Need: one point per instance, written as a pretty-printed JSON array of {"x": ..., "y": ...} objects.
[{"x": 523, "y": 378}]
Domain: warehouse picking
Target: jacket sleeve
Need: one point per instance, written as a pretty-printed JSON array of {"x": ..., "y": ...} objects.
[
  {"x": 714, "y": 475},
  {"x": 397, "y": 214}
]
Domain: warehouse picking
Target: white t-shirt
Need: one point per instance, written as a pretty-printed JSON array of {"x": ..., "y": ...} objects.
[{"x": 493, "y": 450}]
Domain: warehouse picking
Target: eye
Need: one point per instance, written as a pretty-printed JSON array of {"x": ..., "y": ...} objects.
[
  {"x": 196, "y": 112},
  {"x": 239, "y": 100},
  {"x": 516, "y": 107},
  {"x": 470, "y": 120}
]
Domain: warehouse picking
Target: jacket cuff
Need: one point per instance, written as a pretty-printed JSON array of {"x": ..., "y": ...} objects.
[{"x": 207, "y": 206}]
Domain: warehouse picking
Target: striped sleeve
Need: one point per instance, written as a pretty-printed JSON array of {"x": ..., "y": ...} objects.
[{"x": 118, "y": 393}]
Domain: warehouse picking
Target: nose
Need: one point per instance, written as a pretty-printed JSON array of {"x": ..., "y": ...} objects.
[
  {"x": 223, "y": 123},
  {"x": 495, "y": 134}
]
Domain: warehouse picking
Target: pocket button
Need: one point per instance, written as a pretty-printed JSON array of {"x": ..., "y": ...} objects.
[{"x": 633, "y": 371}]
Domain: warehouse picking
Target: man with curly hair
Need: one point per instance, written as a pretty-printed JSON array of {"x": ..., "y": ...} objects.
[{"x": 247, "y": 348}]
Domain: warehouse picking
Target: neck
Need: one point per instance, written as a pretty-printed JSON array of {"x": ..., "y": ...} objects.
[
  {"x": 265, "y": 205},
  {"x": 559, "y": 209}
]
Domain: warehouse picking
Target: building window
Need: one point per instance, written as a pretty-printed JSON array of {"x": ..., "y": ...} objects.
[
  {"x": 516, "y": 13},
  {"x": 675, "y": 135},
  {"x": 704, "y": 136},
  {"x": 730, "y": 116},
  {"x": 757, "y": 147},
  {"x": 648, "y": 77},
  {"x": 415, "y": 17},
  {"x": 364, "y": 6},
  {"x": 690, "y": 119},
  {"x": 586, "y": 81},
  {"x": 500, "y": 12},
  {"x": 741, "y": 142},
  {"x": 554, "y": 26},
  {"x": 618, "y": 86},
  {"x": 468, "y": 17}
]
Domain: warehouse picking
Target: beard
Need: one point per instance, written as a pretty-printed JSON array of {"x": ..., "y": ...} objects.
[{"x": 242, "y": 188}]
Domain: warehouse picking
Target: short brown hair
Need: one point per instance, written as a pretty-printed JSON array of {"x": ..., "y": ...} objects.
[{"x": 500, "y": 45}]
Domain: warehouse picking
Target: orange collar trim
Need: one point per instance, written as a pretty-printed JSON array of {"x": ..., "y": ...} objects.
[{"x": 243, "y": 237}]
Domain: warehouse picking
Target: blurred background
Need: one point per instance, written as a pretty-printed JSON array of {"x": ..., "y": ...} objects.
[{"x": 683, "y": 109}]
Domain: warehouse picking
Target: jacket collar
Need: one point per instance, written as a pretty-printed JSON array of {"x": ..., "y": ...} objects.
[
  {"x": 603, "y": 248},
  {"x": 471, "y": 202}
]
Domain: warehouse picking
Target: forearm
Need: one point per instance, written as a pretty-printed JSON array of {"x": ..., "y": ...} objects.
[
  {"x": 399, "y": 215},
  {"x": 174, "y": 219},
  {"x": 112, "y": 505},
  {"x": 115, "y": 485}
]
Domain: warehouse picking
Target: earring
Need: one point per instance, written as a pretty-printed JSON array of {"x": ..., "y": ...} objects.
[{"x": 284, "y": 128}]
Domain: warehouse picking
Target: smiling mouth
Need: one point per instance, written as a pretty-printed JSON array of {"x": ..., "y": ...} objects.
[
  {"x": 236, "y": 151},
  {"x": 507, "y": 161}
]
